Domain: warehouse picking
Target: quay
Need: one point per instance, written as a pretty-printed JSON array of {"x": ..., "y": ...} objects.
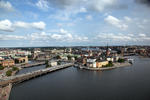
[
  {"x": 116, "y": 65},
  {"x": 27, "y": 76}
]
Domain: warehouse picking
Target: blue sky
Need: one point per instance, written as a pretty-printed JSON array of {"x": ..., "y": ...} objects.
[{"x": 74, "y": 22}]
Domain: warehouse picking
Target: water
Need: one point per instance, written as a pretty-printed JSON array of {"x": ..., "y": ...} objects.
[{"x": 127, "y": 83}]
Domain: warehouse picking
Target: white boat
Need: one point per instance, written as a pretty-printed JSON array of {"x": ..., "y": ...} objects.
[{"x": 131, "y": 61}]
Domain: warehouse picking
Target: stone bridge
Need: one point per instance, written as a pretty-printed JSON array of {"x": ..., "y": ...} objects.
[{"x": 27, "y": 76}]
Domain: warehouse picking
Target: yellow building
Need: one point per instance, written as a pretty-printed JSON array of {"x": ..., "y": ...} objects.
[
  {"x": 100, "y": 63},
  {"x": 8, "y": 63},
  {"x": 21, "y": 59}
]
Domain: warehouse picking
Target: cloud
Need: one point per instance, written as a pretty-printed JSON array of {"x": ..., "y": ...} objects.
[
  {"x": 37, "y": 25},
  {"x": 116, "y": 22},
  {"x": 89, "y": 17},
  {"x": 6, "y": 25},
  {"x": 64, "y": 35},
  {"x": 11, "y": 37},
  {"x": 144, "y": 2},
  {"x": 115, "y": 37},
  {"x": 142, "y": 35},
  {"x": 100, "y": 5},
  {"x": 128, "y": 19},
  {"x": 42, "y": 4},
  {"x": 118, "y": 38},
  {"x": 83, "y": 5},
  {"x": 63, "y": 4},
  {"x": 6, "y": 5}
]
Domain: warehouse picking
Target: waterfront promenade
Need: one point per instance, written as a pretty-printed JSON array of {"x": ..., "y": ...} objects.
[{"x": 27, "y": 76}]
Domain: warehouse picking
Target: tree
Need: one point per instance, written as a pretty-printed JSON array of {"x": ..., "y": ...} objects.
[
  {"x": 120, "y": 60},
  {"x": 1, "y": 67},
  {"x": 58, "y": 57},
  {"x": 110, "y": 64},
  {"x": 69, "y": 57},
  {"x": 75, "y": 57},
  {"x": 46, "y": 63},
  {"x": 58, "y": 63},
  {"x": 9, "y": 72},
  {"x": 15, "y": 68}
]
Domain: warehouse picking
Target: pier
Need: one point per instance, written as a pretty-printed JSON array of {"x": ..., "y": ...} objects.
[{"x": 27, "y": 76}]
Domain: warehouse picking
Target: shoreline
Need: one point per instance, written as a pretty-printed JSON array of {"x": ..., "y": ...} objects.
[{"x": 116, "y": 65}]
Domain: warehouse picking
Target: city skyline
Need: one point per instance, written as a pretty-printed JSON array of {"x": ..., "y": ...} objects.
[{"x": 74, "y": 23}]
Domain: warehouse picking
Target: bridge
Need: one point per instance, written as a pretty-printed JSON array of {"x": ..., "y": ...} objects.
[
  {"x": 32, "y": 65},
  {"x": 27, "y": 76}
]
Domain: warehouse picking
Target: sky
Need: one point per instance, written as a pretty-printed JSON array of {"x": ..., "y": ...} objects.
[{"x": 31, "y": 23}]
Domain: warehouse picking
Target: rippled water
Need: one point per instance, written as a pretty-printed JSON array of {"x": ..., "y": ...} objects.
[{"x": 127, "y": 83}]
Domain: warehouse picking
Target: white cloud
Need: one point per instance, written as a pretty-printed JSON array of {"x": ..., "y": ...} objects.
[
  {"x": 89, "y": 17},
  {"x": 6, "y": 5},
  {"x": 37, "y": 25},
  {"x": 6, "y": 25},
  {"x": 11, "y": 37},
  {"x": 142, "y": 35},
  {"x": 42, "y": 4},
  {"x": 128, "y": 19},
  {"x": 64, "y": 35},
  {"x": 56, "y": 36},
  {"x": 123, "y": 37},
  {"x": 38, "y": 36},
  {"x": 116, "y": 22},
  {"x": 115, "y": 37}
]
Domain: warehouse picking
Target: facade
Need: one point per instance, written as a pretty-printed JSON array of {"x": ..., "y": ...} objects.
[
  {"x": 21, "y": 59},
  {"x": 8, "y": 63},
  {"x": 52, "y": 63},
  {"x": 110, "y": 59},
  {"x": 101, "y": 63},
  {"x": 91, "y": 62}
]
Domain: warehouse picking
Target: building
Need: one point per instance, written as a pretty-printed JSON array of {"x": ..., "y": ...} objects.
[
  {"x": 110, "y": 59},
  {"x": 8, "y": 63},
  {"x": 101, "y": 63},
  {"x": 21, "y": 59},
  {"x": 52, "y": 63},
  {"x": 91, "y": 62}
]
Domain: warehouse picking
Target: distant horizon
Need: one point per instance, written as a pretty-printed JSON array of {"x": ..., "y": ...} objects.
[{"x": 74, "y": 46}]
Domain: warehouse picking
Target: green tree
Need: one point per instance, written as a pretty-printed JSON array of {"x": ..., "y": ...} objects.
[
  {"x": 75, "y": 57},
  {"x": 15, "y": 68},
  {"x": 1, "y": 67},
  {"x": 58, "y": 63},
  {"x": 46, "y": 63},
  {"x": 9, "y": 72},
  {"x": 69, "y": 57},
  {"x": 110, "y": 64},
  {"x": 120, "y": 60}
]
